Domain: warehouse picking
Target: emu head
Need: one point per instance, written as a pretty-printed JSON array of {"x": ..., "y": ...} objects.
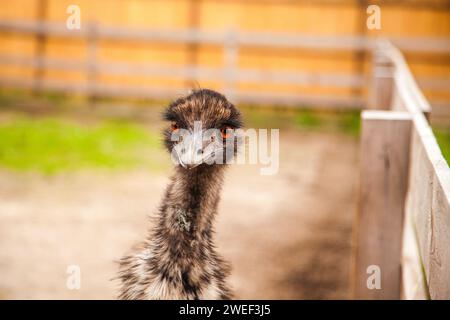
[{"x": 202, "y": 129}]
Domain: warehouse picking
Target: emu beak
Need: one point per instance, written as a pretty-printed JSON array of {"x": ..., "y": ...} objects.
[
  {"x": 194, "y": 150},
  {"x": 190, "y": 150}
]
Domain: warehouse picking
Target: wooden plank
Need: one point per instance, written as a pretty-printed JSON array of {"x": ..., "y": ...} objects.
[
  {"x": 193, "y": 72},
  {"x": 155, "y": 92},
  {"x": 420, "y": 196},
  {"x": 251, "y": 39},
  {"x": 405, "y": 83},
  {"x": 230, "y": 66},
  {"x": 439, "y": 259},
  {"x": 92, "y": 60},
  {"x": 429, "y": 200},
  {"x": 381, "y": 89},
  {"x": 187, "y": 72},
  {"x": 40, "y": 43},
  {"x": 413, "y": 280},
  {"x": 397, "y": 103},
  {"x": 378, "y": 231}
]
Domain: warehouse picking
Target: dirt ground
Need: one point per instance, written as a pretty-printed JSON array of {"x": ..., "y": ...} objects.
[{"x": 287, "y": 236}]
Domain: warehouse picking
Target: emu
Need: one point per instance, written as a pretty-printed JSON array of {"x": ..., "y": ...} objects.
[{"x": 179, "y": 260}]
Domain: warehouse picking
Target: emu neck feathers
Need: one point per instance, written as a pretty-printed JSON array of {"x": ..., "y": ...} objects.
[{"x": 191, "y": 202}]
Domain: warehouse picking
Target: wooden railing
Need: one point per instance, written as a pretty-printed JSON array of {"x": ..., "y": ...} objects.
[
  {"x": 231, "y": 41},
  {"x": 403, "y": 222}
]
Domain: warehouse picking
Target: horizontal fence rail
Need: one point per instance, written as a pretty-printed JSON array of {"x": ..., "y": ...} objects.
[
  {"x": 196, "y": 72},
  {"x": 231, "y": 41},
  {"x": 190, "y": 72},
  {"x": 242, "y": 38}
]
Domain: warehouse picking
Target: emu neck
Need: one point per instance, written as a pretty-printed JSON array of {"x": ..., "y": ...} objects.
[{"x": 191, "y": 202}]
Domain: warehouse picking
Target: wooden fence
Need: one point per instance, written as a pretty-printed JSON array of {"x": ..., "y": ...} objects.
[
  {"x": 403, "y": 225},
  {"x": 230, "y": 74}
]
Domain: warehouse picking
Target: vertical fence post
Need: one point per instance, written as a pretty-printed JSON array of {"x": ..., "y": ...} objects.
[
  {"x": 92, "y": 67},
  {"x": 193, "y": 46},
  {"x": 231, "y": 55},
  {"x": 385, "y": 145},
  {"x": 41, "y": 38},
  {"x": 382, "y": 86}
]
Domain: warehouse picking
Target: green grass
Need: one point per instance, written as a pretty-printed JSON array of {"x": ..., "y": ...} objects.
[
  {"x": 53, "y": 145},
  {"x": 443, "y": 139},
  {"x": 350, "y": 122},
  {"x": 308, "y": 119}
]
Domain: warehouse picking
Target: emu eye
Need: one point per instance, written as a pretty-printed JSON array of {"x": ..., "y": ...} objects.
[
  {"x": 174, "y": 126},
  {"x": 223, "y": 131}
]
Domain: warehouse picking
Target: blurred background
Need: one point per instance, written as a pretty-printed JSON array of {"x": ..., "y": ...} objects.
[{"x": 81, "y": 159}]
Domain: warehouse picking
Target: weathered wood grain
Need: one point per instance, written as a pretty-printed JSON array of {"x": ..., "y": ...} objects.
[
  {"x": 384, "y": 171},
  {"x": 428, "y": 203}
]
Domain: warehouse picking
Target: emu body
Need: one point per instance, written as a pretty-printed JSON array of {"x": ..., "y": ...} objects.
[{"x": 179, "y": 260}]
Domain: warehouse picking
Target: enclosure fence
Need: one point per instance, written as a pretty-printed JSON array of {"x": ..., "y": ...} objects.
[
  {"x": 403, "y": 223},
  {"x": 231, "y": 41},
  {"x": 402, "y": 231}
]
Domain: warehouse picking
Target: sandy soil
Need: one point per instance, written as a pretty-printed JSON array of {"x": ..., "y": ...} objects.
[{"x": 287, "y": 236}]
